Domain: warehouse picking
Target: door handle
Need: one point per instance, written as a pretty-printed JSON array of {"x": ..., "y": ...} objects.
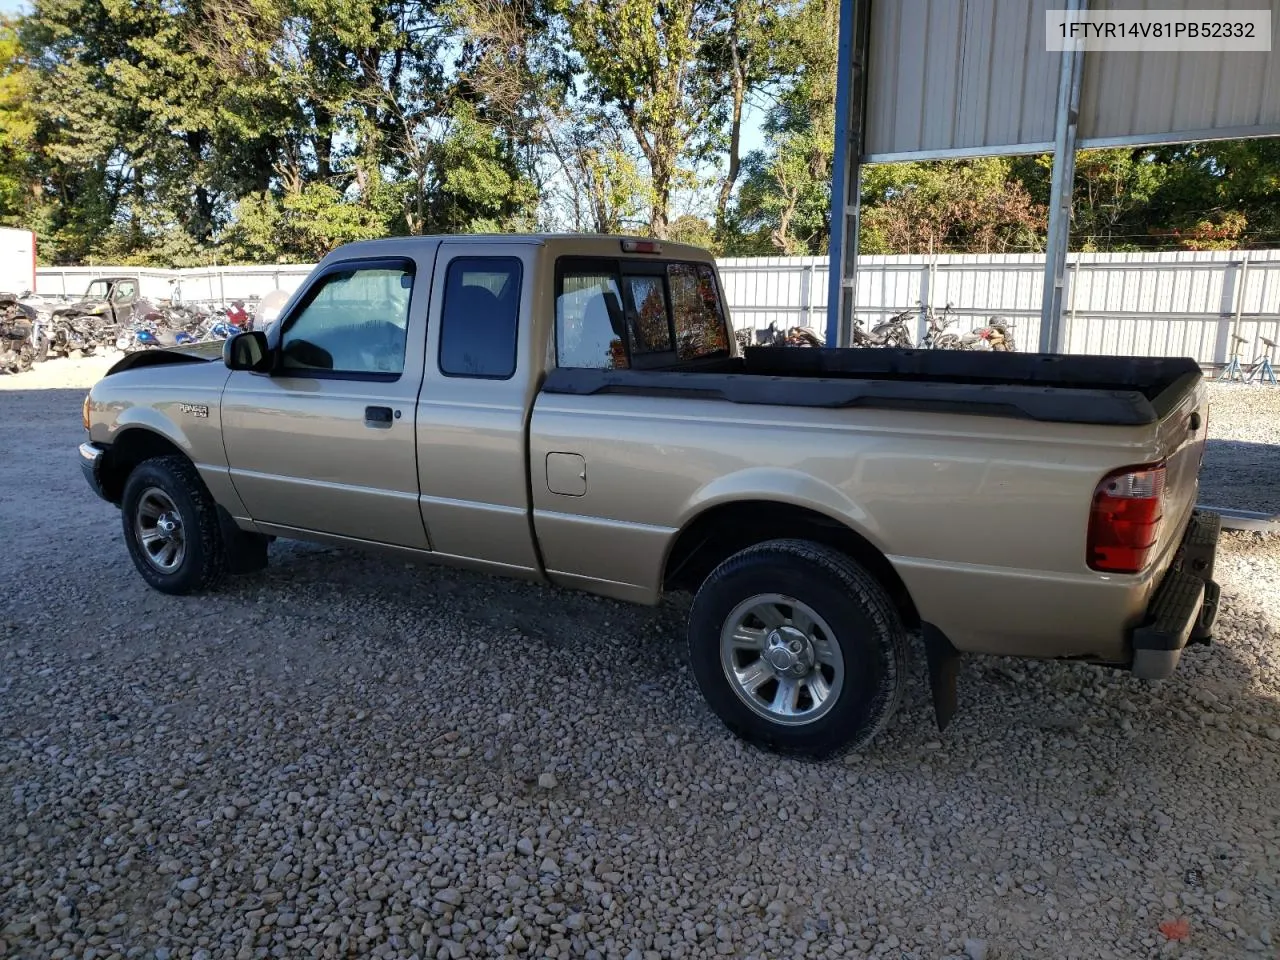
[{"x": 377, "y": 416}]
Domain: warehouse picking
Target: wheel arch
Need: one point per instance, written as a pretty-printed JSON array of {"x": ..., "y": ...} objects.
[
  {"x": 130, "y": 447},
  {"x": 721, "y": 530}
]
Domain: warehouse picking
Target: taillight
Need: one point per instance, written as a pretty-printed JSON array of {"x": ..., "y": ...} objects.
[
  {"x": 84, "y": 411},
  {"x": 1124, "y": 523}
]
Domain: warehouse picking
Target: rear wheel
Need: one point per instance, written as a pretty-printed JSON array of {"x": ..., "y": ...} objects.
[
  {"x": 797, "y": 648},
  {"x": 171, "y": 527}
]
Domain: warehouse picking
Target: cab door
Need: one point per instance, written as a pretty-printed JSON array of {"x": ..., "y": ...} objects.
[
  {"x": 325, "y": 442},
  {"x": 123, "y": 296},
  {"x": 479, "y": 386}
]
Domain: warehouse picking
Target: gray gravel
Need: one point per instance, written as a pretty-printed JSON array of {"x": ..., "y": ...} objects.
[{"x": 350, "y": 756}]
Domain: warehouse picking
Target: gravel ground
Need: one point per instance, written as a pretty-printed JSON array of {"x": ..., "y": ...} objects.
[
  {"x": 349, "y": 756},
  {"x": 1242, "y": 461}
]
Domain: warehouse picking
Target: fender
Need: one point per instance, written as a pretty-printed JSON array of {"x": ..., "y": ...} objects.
[
  {"x": 152, "y": 420},
  {"x": 782, "y": 485}
]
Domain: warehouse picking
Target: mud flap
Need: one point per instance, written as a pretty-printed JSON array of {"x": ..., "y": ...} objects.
[
  {"x": 246, "y": 552},
  {"x": 944, "y": 667}
]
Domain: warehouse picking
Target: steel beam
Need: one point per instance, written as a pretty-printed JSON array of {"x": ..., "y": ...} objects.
[
  {"x": 851, "y": 115},
  {"x": 1070, "y": 74}
]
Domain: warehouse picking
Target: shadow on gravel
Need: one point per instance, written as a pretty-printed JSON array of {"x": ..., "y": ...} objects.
[
  {"x": 1241, "y": 475},
  {"x": 999, "y": 697}
]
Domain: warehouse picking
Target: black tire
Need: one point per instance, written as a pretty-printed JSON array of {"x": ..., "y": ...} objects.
[
  {"x": 860, "y": 614},
  {"x": 204, "y": 560}
]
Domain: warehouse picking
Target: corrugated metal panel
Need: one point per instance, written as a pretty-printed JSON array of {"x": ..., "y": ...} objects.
[
  {"x": 1171, "y": 97},
  {"x": 948, "y": 75},
  {"x": 972, "y": 77},
  {"x": 1135, "y": 304}
]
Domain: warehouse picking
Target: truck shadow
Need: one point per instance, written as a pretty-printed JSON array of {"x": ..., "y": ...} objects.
[
  {"x": 1241, "y": 475},
  {"x": 1005, "y": 704}
]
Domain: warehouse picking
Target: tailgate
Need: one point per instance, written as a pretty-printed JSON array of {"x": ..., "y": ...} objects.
[{"x": 1182, "y": 435}]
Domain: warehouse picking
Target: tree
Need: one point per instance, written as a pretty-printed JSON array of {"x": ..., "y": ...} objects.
[
  {"x": 641, "y": 59},
  {"x": 738, "y": 58},
  {"x": 958, "y": 206},
  {"x": 786, "y": 197}
]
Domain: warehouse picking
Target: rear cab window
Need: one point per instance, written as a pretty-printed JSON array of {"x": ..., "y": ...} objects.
[{"x": 617, "y": 314}]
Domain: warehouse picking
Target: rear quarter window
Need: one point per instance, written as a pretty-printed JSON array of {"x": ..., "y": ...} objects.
[
  {"x": 699, "y": 316},
  {"x": 611, "y": 312}
]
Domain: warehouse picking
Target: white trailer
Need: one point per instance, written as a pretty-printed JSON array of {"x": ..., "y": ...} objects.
[{"x": 17, "y": 261}]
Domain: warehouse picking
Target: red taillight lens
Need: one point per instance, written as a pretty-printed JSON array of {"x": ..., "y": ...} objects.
[
  {"x": 641, "y": 246},
  {"x": 1124, "y": 523}
]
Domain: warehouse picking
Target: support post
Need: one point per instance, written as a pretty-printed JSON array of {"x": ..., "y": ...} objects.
[
  {"x": 851, "y": 110},
  {"x": 806, "y": 296},
  {"x": 1070, "y": 74}
]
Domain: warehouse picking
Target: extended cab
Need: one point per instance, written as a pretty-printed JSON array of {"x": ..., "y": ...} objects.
[{"x": 577, "y": 410}]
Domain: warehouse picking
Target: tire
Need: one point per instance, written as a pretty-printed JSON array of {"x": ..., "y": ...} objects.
[
  {"x": 948, "y": 341},
  {"x": 42, "y": 349},
  {"x": 172, "y": 484},
  {"x": 857, "y": 635}
]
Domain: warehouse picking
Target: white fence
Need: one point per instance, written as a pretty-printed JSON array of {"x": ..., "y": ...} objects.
[
  {"x": 1145, "y": 304},
  {"x": 1139, "y": 304}
]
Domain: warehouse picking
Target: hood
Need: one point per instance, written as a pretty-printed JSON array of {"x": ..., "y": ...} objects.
[{"x": 191, "y": 353}]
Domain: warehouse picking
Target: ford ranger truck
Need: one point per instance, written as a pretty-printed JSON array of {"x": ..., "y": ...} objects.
[{"x": 576, "y": 410}]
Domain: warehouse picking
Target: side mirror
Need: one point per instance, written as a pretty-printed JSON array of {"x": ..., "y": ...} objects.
[{"x": 247, "y": 351}]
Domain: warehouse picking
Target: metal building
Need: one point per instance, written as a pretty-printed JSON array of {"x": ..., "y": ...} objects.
[{"x": 932, "y": 79}]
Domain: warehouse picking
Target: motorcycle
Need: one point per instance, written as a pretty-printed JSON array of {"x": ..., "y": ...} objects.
[
  {"x": 68, "y": 333},
  {"x": 889, "y": 333},
  {"x": 17, "y": 337},
  {"x": 775, "y": 336},
  {"x": 936, "y": 337},
  {"x": 220, "y": 326},
  {"x": 996, "y": 336},
  {"x": 153, "y": 331}
]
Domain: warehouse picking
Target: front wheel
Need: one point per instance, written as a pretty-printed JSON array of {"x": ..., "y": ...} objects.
[
  {"x": 171, "y": 527},
  {"x": 797, "y": 648},
  {"x": 948, "y": 341}
]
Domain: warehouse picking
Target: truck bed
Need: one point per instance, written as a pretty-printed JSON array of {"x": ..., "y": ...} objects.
[{"x": 1056, "y": 388}]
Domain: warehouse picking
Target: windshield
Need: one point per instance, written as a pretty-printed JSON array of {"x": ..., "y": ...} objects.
[{"x": 97, "y": 290}]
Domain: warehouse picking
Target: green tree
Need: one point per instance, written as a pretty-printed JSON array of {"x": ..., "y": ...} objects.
[
  {"x": 641, "y": 60},
  {"x": 785, "y": 199},
  {"x": 956, "y": 206}
]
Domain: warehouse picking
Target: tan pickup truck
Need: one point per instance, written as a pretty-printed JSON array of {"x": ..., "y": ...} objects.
[{"x": 577, "y": 410}]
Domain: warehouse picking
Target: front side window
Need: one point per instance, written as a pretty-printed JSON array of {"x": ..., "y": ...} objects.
[
  {"x": 125, "y": 290},
  {"x": 480, "y": 317},
  {"x": 355, "y": 323}
]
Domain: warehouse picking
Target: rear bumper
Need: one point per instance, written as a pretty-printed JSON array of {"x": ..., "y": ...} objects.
[
  {"x": 91, "y": 456},
  {"x": 1185, "y": 605}
]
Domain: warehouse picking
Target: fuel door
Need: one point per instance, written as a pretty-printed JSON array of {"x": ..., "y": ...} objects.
[{"x": 566, "y": 474}]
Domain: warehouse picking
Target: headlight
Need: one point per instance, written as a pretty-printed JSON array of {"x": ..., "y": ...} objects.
[{"x": 84, "y": 411}]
